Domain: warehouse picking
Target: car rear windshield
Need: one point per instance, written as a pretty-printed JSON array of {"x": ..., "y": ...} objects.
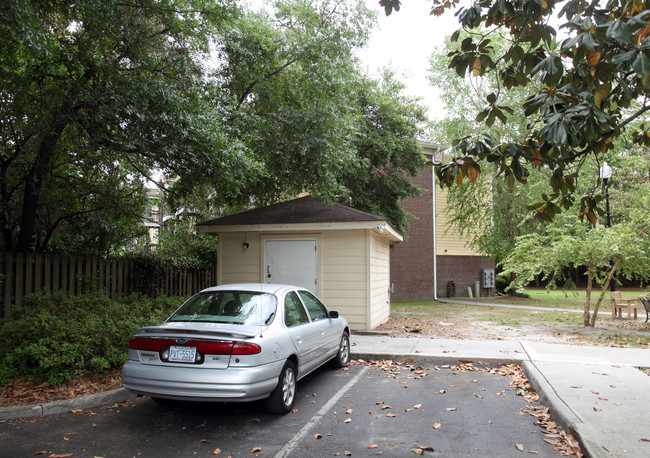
[{"x": 238, "y": 307}]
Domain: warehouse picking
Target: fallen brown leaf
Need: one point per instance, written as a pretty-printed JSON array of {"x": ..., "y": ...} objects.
[
  {"x": 373, "y": 446},
  {"x": 43, "y": 452},
  {"x": 520, "y": 447},
  {"x": 347, "y": 420},
  {"x": 256, "y": 449},
  {"x": 204, "y": 441},
  {"x": 450, "y": 409},
  {"x": 318, "y": 436},
  {"x": 392, "y": 415},
  {"x": 437, "y": 425},
  {"x": 217, "y": 451}
]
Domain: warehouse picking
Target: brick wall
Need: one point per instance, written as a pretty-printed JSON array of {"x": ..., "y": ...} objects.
[
  {"x": 411, "y": 261},
  {"x": 411, "y": 265},
  {"x": 463, "y": 271}
]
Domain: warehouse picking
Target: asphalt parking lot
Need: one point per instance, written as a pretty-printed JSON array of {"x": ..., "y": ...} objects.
[{"x": 423, "y": 409}]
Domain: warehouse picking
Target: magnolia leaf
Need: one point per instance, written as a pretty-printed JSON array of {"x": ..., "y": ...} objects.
[
  {"x": 602, "y": 93},
  {"x": 593, "y": 57},
  {"x": 472, "y": 172},
  {"x": 476, "y": 67}
]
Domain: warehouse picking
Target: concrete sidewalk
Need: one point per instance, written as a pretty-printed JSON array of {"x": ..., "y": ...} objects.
[{"x": 596, "y": 393}]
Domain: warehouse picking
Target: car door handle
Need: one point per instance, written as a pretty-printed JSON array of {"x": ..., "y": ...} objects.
[{"x": 299, "y": 339}]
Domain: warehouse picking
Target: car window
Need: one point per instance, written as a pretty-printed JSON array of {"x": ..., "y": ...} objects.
[
  {"x": 238, "y": 307},
  {"x": 294, "y": 312},
  {"x": 316, "y": 309}
]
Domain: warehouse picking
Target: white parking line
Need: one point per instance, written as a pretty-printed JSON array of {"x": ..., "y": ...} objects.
[{"x": 295, "y": 440}]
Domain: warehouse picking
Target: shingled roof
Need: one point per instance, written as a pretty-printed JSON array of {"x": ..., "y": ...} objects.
[{"x": 303, "y": 210}]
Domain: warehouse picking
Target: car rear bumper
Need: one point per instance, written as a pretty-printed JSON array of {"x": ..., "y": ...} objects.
[{"x": 198, "y": 384}]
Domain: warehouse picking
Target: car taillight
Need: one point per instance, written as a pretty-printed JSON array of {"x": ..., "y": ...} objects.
[
  {"x": 144, "y": 343},
  {"x": 245, "y": 348},
  {"x": 213, "y": 348},
  {"x": 204, "y": 347}
]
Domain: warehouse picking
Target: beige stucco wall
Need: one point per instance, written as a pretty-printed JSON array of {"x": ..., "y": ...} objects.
[{"x": 354, "y": 269}]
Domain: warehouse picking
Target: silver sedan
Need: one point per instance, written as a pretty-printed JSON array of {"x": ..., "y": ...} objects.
[{"x": 237, "y": 343}]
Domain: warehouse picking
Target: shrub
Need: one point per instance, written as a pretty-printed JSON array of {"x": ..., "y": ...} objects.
[{"x": 53, "y": 337}]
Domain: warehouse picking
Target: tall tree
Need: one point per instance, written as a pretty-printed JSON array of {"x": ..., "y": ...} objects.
[
  {"x": 589, "y": 86},
  {"x": 95, "y": 90},
  {"x": 486, "y": 211},
  {"x": 386, "y": 144},
  {"x": 235, "y": 107}
]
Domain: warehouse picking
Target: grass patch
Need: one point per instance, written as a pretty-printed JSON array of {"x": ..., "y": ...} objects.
[
  {"x": 518, "y": 317},
  {"x": 619, "y": 340}
]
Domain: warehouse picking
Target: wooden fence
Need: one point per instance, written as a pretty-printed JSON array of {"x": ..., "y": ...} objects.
[{"x": 23, "y": 273}]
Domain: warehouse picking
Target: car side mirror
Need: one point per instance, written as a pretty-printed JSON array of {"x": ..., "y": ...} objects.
[{"x": 334, "y": 314}]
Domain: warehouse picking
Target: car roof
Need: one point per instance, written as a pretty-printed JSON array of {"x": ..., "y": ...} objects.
[{"x": 270, "y": 288}]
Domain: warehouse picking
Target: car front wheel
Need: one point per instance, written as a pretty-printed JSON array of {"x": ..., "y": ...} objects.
[
  {"x": 342, "y": 358},
  {"x": 283, "y": 396}
]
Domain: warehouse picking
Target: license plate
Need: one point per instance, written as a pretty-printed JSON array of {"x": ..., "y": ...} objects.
[{"x": 182, "y": 354}]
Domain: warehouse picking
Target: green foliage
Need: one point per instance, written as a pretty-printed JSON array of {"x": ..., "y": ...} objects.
[
  {"x": 590, "y": 88},
  {"x": 235, "y": 107},
  {"x": 54, "y": 337},
  {"x": 484, "y": 210},
  {"x": 387, "y": 148},
  {"x": 180, "y": 249}
]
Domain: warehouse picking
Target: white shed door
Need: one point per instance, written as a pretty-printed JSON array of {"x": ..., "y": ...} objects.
[{"x": 291, "y": 262}]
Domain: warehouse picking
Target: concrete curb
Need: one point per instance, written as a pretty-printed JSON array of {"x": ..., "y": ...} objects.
[
  {"x": 562, "y": 413},
  {"x": 56, "y": 407},
  {"x": 400, "y": 357}
]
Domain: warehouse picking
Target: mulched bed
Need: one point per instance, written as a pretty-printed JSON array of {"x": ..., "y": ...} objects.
[{"x": 23, "y": 392}]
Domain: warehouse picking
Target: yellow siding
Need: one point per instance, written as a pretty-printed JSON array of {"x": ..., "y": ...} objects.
[
  {"x": 344, "y": 288},
  {"x": 379, "y": 281},
  {"x": 235, "y": 264},
  {"x": 448, "y": 243},
  {"x": 354, "y": 270}
]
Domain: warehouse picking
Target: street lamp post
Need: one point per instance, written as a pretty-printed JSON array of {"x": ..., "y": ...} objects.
[{"x": 606, "y": 174}]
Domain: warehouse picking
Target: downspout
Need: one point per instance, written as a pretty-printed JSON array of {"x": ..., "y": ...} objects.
[{"x": 433, "y": 219}]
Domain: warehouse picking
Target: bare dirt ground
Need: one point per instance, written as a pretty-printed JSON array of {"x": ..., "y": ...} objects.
[{"x": 459, "y": 322}]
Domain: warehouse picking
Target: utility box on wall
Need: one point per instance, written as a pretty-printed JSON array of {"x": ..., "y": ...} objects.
[{"x": 488, "y": 278}]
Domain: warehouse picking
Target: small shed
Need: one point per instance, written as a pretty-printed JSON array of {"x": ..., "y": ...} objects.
[{"x": 339, "y": 253}]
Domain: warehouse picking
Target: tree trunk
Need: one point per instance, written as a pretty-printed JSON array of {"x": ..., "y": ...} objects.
[
  {"x": 590, "y": 276},
  {"x": 605, "y": 288},
  {"x": 34, "y": 183}
]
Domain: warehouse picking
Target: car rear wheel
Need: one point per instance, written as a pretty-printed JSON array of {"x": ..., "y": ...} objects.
[
  {"x": 342, "y": 358},
  {"x": 283, "y": 396}
]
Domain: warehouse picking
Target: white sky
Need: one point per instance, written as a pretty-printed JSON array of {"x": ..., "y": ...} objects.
[{"x": 405, "y": 40}]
